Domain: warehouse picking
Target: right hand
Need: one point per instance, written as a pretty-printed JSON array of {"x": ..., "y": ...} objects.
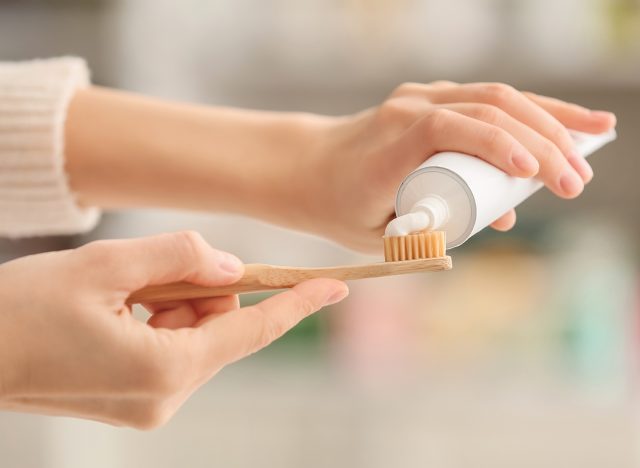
[
  {"x": 364, "y": 157},
  {"x": 70, "y": 346}
]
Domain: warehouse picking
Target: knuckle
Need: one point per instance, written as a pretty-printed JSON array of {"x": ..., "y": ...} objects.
[
  {"x": 548, "y": 154},
  {"x": 496, "y": 138},
  {"x": 499, "y": 93},
  {"x": 191, "y": 240},
  {"x": 441, "y": 83},
  {"x": 436, "y": 120},
  {"x": 273, "y": 326},
  {"x": 303, "y": 306},
  {"x": 268, "y": 331},
  {"x": 488, "y": 113},
  {"x": 396, "y": 110},
  {"x": 190, "y": 245},
  {"x": 93, "y": 250},
  {"x": 407, "y": 88},
  {"x": 97, "y": 253},
  {"x": 560, "y": 135}
]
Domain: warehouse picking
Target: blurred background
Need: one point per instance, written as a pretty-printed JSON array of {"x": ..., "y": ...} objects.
[{"x": 526, "y": 354}]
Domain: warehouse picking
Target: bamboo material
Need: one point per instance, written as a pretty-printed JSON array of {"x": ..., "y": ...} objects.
[{"x": 260, "y": 277}]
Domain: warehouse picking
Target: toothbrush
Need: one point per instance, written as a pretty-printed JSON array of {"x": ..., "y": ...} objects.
[{"x": 260, "y": 277}]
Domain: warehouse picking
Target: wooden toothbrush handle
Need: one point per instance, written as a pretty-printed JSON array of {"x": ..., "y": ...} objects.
[
  {"x": 251, "y": 281},
  {"x": 260, "y": 277}
]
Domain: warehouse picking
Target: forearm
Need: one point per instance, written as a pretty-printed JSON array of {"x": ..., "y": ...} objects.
[{"x": 124, "y": 150}]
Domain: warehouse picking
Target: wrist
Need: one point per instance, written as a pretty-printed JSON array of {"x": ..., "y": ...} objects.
[
  {"x": 290, "y": 179},
  {"x": 325, "y": 189}
]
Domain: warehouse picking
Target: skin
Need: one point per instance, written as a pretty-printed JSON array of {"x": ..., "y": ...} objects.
[{"x": 74, "y": 347}]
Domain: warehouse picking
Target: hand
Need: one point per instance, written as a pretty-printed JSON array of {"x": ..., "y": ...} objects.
[
  {"x": 365, "y": 156},
  {"x": 70, "y": 346}
]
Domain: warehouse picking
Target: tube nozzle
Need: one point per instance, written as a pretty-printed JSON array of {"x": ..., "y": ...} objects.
[{"x": 430, "y": 213}]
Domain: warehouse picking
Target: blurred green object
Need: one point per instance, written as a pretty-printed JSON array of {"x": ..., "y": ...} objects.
[
  {"x": 624, "y": 22},
  {"x": 594, "y": 283}
]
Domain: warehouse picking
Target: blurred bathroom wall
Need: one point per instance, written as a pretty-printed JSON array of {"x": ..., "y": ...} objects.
[{"x": 526, "y": 354}]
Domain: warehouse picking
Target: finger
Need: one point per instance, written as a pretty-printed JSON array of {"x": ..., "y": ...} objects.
[
  {"x": 443, "y": 84},
  {"x": 131, "y": 264},
  {"x": 181, "y": 314},
  {"x": 514, "y": 103},
  {"x": 158, "y": 307},
  {"x": 554, "y": 166},
  {"x": 232, "y": 335},
  {"x": 215, "y": 305},
  {"x": 203, "y": 306},
  {"x": 446, "y": 130},
  {"x": 574, "y": 116},
  {"x": 505, "y": 222}
]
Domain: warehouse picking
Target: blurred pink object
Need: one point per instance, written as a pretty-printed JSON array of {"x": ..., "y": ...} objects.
[{"x": 375, "y": 334}]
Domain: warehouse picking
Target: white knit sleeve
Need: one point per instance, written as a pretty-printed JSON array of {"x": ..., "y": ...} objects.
[{"x": 35, "y": 198}]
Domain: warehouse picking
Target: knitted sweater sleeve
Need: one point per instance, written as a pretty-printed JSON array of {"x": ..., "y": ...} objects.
[{"x": 35, "y": 197}]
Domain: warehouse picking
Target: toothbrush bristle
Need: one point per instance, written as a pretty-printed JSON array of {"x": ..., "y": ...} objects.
[{"x": 424, "y": 244}]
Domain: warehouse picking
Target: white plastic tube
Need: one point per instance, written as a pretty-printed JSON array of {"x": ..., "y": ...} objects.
[{"x": 461, "y": 194}]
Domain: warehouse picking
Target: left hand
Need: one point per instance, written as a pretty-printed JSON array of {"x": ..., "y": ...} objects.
[
  {"x": 364, "y": 157},
  {"x": 70, "y": 346}
]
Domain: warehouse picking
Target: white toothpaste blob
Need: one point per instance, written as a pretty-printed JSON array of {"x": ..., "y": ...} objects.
[{"x": 427, "y": 214}]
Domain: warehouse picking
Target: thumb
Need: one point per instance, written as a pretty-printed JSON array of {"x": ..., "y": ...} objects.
[
  {"x": 235, "y": 334},
  {"x": 131, "y": 264}
]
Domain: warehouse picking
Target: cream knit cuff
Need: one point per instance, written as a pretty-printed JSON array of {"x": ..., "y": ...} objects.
[{"x": 35, "y": 198}]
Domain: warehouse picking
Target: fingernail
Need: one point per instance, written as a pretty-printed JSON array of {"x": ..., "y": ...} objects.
[
  {"x": 571, "y": 184},
  {"x": 231, "y": 263},
  {"x": 524, "y": 161},
  {"x": 336, "y": 296},
  {"x": 582, "y": 167}
]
